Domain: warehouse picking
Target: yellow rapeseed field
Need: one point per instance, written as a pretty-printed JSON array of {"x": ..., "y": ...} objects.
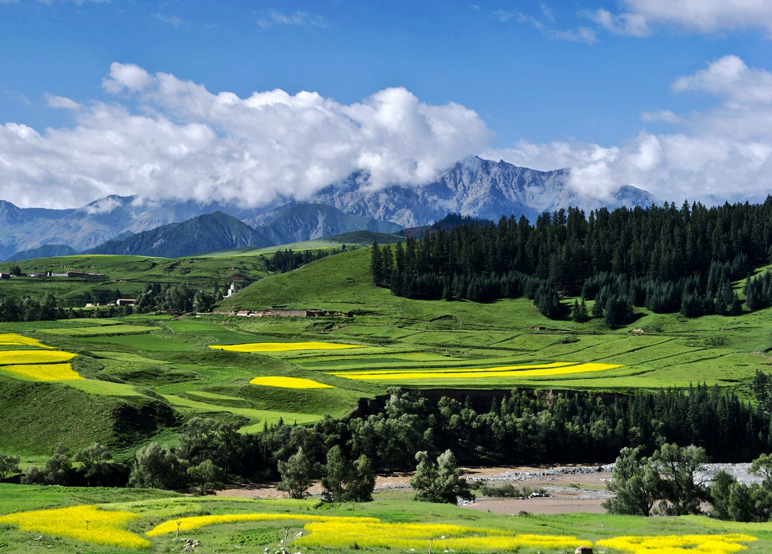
[
  {"x": 478, "y": 373},
  {"x": 43, "y": 372},
  {"x": 13, "y": 357},
  {"x": 191, "y": 523},
  {"x": 343, "y": 534},
  {"x": 82, "y": 523},
  {"x": 678, "y": 544},
  {"x": 282, "y": 346},
  {"x": 12, "y": 339},
  {"x": 289, "y": 383}
]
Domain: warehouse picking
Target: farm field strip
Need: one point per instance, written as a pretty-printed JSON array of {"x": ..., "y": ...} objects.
[
  {"x": 480, "y": 374},
  {"x": 101, "y": 331},
  {"x": 83, "y": 523},
  {"x": 102, "y": 388},
  {"x": 12, "y": 339},
  {"x": 282, "y": 346},
  {"x": 444, "y": 371},
  {"x": 16, "y": 357},
  {"x": 619, "y": 347},
  {"x": 259, "y": 417},
  {"x": 289, "y": 383},
  {"x": 42, "y": 372}
]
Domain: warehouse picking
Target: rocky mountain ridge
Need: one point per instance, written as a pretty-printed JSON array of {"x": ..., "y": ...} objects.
[{"x": 473, "y": 186}]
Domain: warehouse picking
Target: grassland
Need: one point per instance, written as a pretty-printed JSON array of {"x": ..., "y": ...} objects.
[
  {"x": 141, "y": 377},
  {"x": 129, "y": 274},
  {"x": 148, "y": 520},
  {"x": 223, "y": 367}
]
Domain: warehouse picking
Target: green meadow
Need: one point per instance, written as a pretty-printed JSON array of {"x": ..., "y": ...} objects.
[
  {"x": 162, "y": 367},
  {"x": 144, "y": 376},
  {"x": 151, "y": 508}
]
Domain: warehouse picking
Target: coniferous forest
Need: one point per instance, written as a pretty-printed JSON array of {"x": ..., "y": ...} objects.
[{"x": 667, "y": 259}]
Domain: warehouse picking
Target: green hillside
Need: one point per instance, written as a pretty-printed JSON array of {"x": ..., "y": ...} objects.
[
  {"x": 206, "y": 233},
  {"x": 129, "y": 274},
  {"x": 655, "y": 350}
]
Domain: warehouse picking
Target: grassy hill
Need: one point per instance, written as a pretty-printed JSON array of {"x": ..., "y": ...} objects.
[
  {"x": 130, "y": 274},
  {"x": 655, "y": 350}
]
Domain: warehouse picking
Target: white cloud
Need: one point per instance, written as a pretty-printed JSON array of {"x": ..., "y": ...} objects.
[
  {"x": 638, "y": 17},
  {"x": 60, "y": 102},
  {"x": 723, "y": 152},
  {"x": 185, "y": 142},
  {"x": 275, "y": 17},
  {"x": 729, "y": 78},
  {"x": 660, "y": 115},
  {"x": 581, "y": 34}
]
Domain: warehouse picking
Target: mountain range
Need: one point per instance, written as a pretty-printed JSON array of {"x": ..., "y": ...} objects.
[
  {"x": 219, "y": 231},
  {"x": 473, "y": 186}
]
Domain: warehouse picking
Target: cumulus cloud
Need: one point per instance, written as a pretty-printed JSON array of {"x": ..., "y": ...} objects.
[
  {"x": 639, "y": 17},
  {"x": 163, "y": 137},
  {"x": 723, "y": 152}
]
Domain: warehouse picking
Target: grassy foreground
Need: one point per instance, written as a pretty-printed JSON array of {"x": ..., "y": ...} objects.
[{"x": 138, "y": 516}]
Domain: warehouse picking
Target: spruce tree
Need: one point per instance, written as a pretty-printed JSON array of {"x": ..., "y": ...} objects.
[{"x": 376, "y": 264}]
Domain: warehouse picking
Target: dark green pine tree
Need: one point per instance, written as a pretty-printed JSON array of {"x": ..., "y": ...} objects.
[
  {"x": 597, "y": 309},
  {"x": 376, "y": 264},
  {"x": 583, "y": 315},
  {"x": 737, "y": 307}
]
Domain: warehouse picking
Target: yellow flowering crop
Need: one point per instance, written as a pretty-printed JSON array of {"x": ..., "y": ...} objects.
[
  {"x": 34, "y": 356},
  {"x": 478, "y": 373},
  {"x": 678, "y": 544},
  {"x": 452, "y": 370},
  {"x": 12, "y": 339},
  {"x": 289, "y": 383},
  {"x": 282, "y": 346},
  {"x": 43, "y": 372},
  {"x": 82, "y": 523},
  {"x": 190, "y": 523},
  {"x": 342, "y": 534}
]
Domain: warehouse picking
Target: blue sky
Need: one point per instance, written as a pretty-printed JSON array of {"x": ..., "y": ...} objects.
[{"x": 560, "y": 83}]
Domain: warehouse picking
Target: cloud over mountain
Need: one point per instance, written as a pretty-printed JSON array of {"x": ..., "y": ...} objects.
[
  {"x": 163, "y": 137},
  {"x": 724, "y": 152}
]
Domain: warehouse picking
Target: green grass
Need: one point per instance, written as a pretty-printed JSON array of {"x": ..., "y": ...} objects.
[
  {"x": 92, "y": 331},
  {"x": 154, "y": 507},
  {"x": 168, "y": 360},
  {"x": 129, "y": 274}
]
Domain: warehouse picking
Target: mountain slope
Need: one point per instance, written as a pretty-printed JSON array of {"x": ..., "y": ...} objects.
[
  {"x": 206, "y": 233},
  {"x": 473, "y": 187},
  {"x": 45, "y": 251},
  {"x": 314, "y": 221},
  {"x": 219, "y": 231}
]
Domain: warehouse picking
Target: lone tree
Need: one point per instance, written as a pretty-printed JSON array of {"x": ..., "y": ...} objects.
[
  {"x": 8, "y": 465},
  {"x": 295, "y": 475},
  {"x": 636, "y": 482},
  {"x": 440, "y": 480}
]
